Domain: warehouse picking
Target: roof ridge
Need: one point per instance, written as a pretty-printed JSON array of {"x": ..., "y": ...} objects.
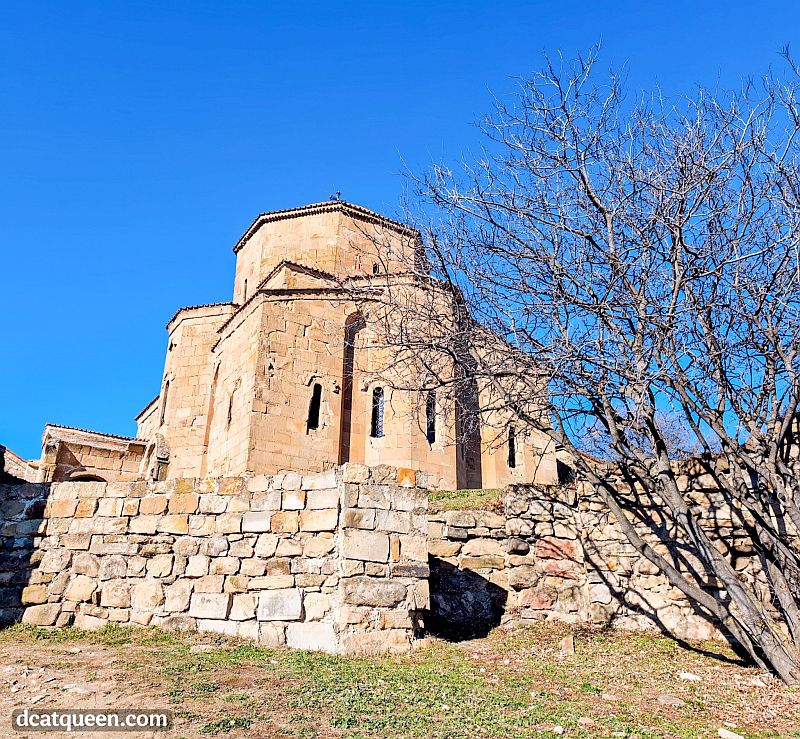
[
  {"x": 91, "y": 431},
  {"x": 327, "y": 206}
]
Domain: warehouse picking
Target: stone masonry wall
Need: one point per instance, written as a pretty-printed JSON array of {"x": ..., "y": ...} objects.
[
  {"x": 559, "y": 553},
  {"x": 335, "y": 561}
]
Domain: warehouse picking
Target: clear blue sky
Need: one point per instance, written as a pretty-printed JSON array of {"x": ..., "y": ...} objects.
[{"x": 139, "y": 139}]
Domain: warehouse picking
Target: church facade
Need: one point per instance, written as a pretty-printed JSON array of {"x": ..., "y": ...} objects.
[{"x": 283, "y": 376}]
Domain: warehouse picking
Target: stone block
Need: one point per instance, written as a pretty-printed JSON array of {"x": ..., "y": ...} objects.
[
  {"x": 257, "y": 521},
  {"x": 312, "y": 636},
  {"x": 231, "y": 486},
  {"x": 209, "y": 584},
  {"x": 272, "y": 635},
  {"x": 223, "y": 566},
  {"x": 525, "y": 576},
  {"x": 144, "y": 524},
  {"x": 285, "y": 522},
  {"x": 565, "y": 568},
  {"x": 266, "y": 546},
  {"x": 355, "y": 473},
  {"x": 374, "y": 496},
  {"x": 552, "y": 548},
  {"x": 406, "y": 477},
  {"x": 293, "y": 500},
  {"x": 212, "y": 503},
  {"x": 178, "y": 596},
  {"x": 318, "y": 499},
  {"x": 443, "y": 548},
  {"x": 210, "y": 605},
  {"x": 272, "y": 582},
  {"x": 160, "y": 565},
  {"x": 62, "y": 508},
  {"x": 80, "y": 588},
  {"x": 318, "y": 546},
  {"x": 259, "y": 483},
  {"x": 174, "y": 524},
  {"x": 369, "y": 591},
  {"x": 244, "y": 607},
  {"x": 88, "y": 622},
  {"x": 153, "y": 505},
  {"x": 319, "y": 480},
  {"x": 280, "y": 605},
  {"x": 483, "y": 546},
  {"x": 85, "y": 563},
  {"x": 359, "y": 518},
  {"x": 486, "y": 562},
  {"x": 387, "y": 641},
  {"x": 43, "y": 615},
  {"x": 116, "y": 594},
  {"x": 147, "y": 595},
  {"x": 236, "y": 584},
  {"x": 395, "y": 521},
  {"x": 184, "y": 503},
  {"x": 319, "y": 520},
  {"x": 370, "y": 546},
  {"x": 197, "y": 566},
  {"x": 267, "y": 501},
  {"x": 85, "y": 508},
  {"x": 34, "y": 595},
  {"x": 229, "y": 523}
]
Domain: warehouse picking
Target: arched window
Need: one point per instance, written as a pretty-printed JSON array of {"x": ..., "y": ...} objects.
[
  {"x": 164, "y": 403},
  {"x": 376, "y": 426},
  {"x": 313, "y": 408},
  {"x": 430, "y": 416},
  {"x": 512, "y": 448}
]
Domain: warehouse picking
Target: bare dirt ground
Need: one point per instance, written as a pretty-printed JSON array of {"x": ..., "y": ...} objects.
[{"x": 511, "y": 684}]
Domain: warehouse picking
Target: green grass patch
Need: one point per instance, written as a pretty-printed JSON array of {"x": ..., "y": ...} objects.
[{"x": 472, "y": 500}]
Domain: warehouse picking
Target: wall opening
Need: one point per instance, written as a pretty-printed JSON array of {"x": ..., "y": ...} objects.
[
  {"x": 512, "y": 448},
  {"x": 430, "y": 416},
  {"x": 352, "y": 326},
  {"x": 245, "y": 290},
  {"x": 164, "y": 404},
  {"x": 376, "y": 422},
  {"x": 209, "y": 421},
  {"x": 314, "y": 407}
]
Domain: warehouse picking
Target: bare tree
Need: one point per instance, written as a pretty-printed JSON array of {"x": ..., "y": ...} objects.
[{"x": 632, "y": 269}]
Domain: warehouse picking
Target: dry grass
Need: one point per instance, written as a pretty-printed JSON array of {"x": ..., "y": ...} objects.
[
  {"x": 511, "y": 684},
  {"x": 465, "y": 500}
]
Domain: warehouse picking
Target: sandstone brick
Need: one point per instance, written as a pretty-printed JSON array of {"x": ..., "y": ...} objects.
[
  {"x": 231, "y": 486},
  {"x": 483, "y": 546},
  {"x": 319, "y": 520},
  {"x": 318, "y": 546},
  {"x": 34, "y": 594},
  {"x": 211, "y": 503},
  {"x": 153, "y": 505},
  {"x": 174, "y": 524},
  {"x": 257, "y": 521},
  {"x": 43, "y": 615},
  {"x": 369, "y": 591},
  {"x": 209, "y": 584},
  {"x": 211, "y": 605},
  {"x": 285, "y": 522},
  {"x": 244, "y": 607},
  {"x": 144, "y": 524},
  {"x": 486, "y": 562},
  {"x": 62, "y": 508},
  {"x": 80, "y": 588},
  {"x": 359, "y": 518},
  {"x": 202, "y": 525},
  {"x": 197, "y": 566},
  {"x": 229, "y": 523},
  {"x": 552, "y": 548},
  {"x": 87, "y": 622},
  {"x": 160, "y": 565},
  {"x": 147, "y": 595},
  {"x": 443, "y": 548},
  {"x": 116, "y": 594},
  {"x": 272, "y": 582},
  {"x": 184, "y": 503},
  {"x": 109, "y": 507},
  {"x": 85, "y": 508},
  {"x": 365, "y": 545},
  {"x": 130, "y": 507},
  {"x": 293, "y": 500},
  {"x": 314, "y": 636},
  {"x": 85, "y": 563},
  {"x": 280, "y": 605},
  {"x": 406, "y": 478},
  {"x": 178, "y": 596},
  {"x": 272, "y": 635}
]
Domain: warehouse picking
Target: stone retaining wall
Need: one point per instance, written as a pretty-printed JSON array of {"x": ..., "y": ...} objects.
[
  {"x": 559, "y": 553},
  {"x": 335, "y": 561}
]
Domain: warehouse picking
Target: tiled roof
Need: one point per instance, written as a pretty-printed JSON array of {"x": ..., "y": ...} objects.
[
  {"x": 195, "y": 307},
  {"x": 89, "y": 431},
  {"x": 331, "y": 206}
]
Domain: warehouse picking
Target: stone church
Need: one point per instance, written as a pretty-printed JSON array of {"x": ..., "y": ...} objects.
[{"x": 281, "y": 377}]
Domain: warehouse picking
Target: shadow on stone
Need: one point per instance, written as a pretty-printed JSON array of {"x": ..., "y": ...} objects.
[
  {"x": 464, "y": 605},
  {"x": 21, "y": 511}
]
